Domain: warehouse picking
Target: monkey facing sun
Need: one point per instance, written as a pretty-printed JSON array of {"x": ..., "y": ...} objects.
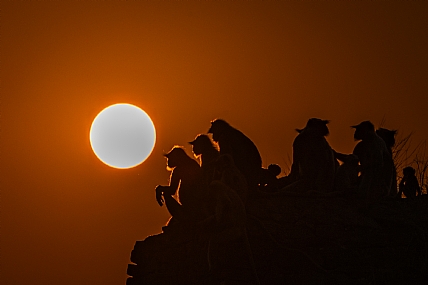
[{"x": 122, "y": 136}]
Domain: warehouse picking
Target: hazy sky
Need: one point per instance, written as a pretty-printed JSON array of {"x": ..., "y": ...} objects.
[{"x": 266, "y": 67}]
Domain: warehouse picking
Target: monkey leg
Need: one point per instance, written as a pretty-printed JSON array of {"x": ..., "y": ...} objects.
[{"x": 174, "y": 208}]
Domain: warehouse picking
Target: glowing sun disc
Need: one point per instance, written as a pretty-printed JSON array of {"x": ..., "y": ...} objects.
[{"x": 122, "y": 136}]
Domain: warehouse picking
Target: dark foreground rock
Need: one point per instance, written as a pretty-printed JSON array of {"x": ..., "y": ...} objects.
[{"x": 301, "y": 240}]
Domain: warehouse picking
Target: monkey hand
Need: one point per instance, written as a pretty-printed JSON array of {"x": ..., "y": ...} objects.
[{"x": 159, "y": 195}]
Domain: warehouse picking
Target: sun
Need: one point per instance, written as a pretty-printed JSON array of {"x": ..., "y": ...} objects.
[{"x": 122, "y": 136}]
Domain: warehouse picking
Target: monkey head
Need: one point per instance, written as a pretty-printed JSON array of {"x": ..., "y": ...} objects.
[
  {"x": 200, "y": 143},
  {"x": 316, "y": 127},
  {"x": 387, "y": 135},
  {"x": 409, "y": 171},
  {"x": 218, "y": 128},
  {"x": 363, "y": 130},
  {"x": 175, "y": 156}
]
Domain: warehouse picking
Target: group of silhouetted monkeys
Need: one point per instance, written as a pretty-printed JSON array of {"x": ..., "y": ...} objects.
[
  {"x": 212, "y": 194},
  {"x": 368, "y": 173},
  {"x": 233, "y": 162}
]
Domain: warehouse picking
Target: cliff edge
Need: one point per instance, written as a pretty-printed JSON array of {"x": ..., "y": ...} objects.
[{"x": 298, "y": 240}]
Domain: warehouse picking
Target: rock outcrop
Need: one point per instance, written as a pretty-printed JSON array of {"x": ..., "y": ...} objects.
[{"x": 301, "y": 240}]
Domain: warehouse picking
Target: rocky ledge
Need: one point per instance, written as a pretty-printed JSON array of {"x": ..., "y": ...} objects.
[{"x": 299, "y": 240}]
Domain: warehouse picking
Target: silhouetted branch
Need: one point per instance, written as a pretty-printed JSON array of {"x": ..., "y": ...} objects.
[
  {"x": 402, "y": 152},
  {"x": 405, "y": 155},
  {"x": 287, "y": 162},
  {"x": 421, "y": 167}
]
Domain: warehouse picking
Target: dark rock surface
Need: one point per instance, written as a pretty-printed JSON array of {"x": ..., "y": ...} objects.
[{"x": 301, "y": 240}]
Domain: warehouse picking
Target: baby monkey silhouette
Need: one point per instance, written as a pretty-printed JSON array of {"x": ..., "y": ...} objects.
[{"x": 409, "y": 185}]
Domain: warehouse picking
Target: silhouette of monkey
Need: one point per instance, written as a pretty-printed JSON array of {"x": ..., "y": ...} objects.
[
  {"x": 409, "y": 185},
  {"x": 389, "y": 138},
  {"x": 186, "y": 177},
  {"x": 204, "y": 149},
  {"x": 375, "y": 160},
  {"x": 314, "y": 164},
  {"x": 243, "y": 151}
]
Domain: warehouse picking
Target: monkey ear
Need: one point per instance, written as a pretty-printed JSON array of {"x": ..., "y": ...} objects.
[
  {"x": 192, "y": 142},
  {"x": 299, "y": 130},
  {"x": 326, "y": 121}
]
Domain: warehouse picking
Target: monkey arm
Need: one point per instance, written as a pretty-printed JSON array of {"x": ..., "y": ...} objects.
[
  {"x": 414, "y": 181},
  {"x": 159, "y": 191},
  {"x": 295, "y": 171},
  {"x": 169, "y": 190},
  {"x": 340, "y": 156},
  {"x": 174, "y": 182},
  {"x": 401, "y": 187},
  {"x": 175, "y": 208},
  {"x": 403, "y": 181},
  {"x": 418, "y": 189}
]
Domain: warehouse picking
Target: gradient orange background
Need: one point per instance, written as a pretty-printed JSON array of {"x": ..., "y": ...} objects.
[{"x": 265, "y": 67}]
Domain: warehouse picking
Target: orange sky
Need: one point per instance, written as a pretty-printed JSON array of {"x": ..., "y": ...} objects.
[{"x": 265, "y": 67}]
